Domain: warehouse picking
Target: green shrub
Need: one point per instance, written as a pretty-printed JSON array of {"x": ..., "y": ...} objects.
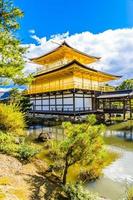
[
  {"x": 22, "y": 150},
  {"x": 77, "y": 192},
  {"x": 11, "y": 119},
  {"x": 7, "y": 144},
  {"x": 129, "y": 194},
  {"x": 26, "y": 151}
]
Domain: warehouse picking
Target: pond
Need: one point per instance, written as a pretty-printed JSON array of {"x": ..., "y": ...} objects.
[
  {"x": 116, "y": 177},
  {"x": 119, "y": 174}
]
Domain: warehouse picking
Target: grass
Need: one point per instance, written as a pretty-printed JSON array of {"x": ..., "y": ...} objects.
[
  {"x": 111, "y": 157},
  {"x": 128, "y": 145},
  {"x": 120, "y": 142},
  {"x": 121, "y": 126}
]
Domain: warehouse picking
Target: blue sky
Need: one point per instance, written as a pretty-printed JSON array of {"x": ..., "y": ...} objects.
[
  {"x": 98, "y": 27},
  {"x": 49, "y": 17}
]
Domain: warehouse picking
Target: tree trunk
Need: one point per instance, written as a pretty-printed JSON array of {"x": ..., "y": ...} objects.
[{"x": 65, "y": 172}]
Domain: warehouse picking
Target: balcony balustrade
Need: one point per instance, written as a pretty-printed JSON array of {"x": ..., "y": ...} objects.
[{"x": 35, "y": 89}]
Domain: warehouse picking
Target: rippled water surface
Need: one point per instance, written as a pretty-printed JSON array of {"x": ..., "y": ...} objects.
[{"x": 116, "y": 176}]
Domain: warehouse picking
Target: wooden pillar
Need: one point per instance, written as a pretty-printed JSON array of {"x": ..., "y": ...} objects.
[
  {"x": 74, "y": 101},
  {"x": 97, "y": 104},
  {"x": 83, "y": 101},
  {"x": 33, "y": 110},
  {"x": 124, "y": 111},
  {"x": 110, "y": 112},
  {"x": 55, "y": 102},
  {"x": 62, "y": 101},
  {"x": 34, "y": 106},
  {"x": 130, "y": 108},
  {"x": 92, "y": 100},
  {"x": 42, "y": 102},
  {"x": 49, "y": 101},
  {"x": 103, "y": 102}
]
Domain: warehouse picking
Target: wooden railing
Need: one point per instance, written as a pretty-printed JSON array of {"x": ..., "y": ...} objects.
[{"x": 70, "y": 85}]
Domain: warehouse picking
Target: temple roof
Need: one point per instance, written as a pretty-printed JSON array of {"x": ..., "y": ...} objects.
[
  {"x": 81, "y": 68},
  {"x": 116, "y": 94},
  {"x": 64, "y": 50}
]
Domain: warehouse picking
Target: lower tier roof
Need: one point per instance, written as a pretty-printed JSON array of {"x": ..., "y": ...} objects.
[{"x": 79, "y": 67}]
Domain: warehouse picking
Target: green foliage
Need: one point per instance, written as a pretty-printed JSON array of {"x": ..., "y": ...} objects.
[
  {"x": 26, "y": 151},
  {"x": 9, "y": 15},
  {"x": 129, "y": 194},
  {"x": 91, "y": 119},
  {"x": 126, "y": 85},
  {"x": 12, "y": 52},
  {"x": 83, "y": 144},
  {"x": 11, "y": 119},
  {"x": 77, "y": 192},
  {"x": 12, "y": 60},
  {"x": 21, "y": 150},
  {"x": 7, "y": 144},
  {"x": 18, "y": 98}
]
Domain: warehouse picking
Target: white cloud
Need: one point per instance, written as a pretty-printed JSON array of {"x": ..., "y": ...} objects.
[
  {"x": 2, "y": 90},
  {"x": 39, "y": 40},
  {"x": 114, "y": 46},
  {"x": 32, "y": 31}
]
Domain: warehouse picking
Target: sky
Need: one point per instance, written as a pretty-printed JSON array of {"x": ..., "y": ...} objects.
[
  {"x": 51, "y": 17},
  {"x": 98, "y": 27}
]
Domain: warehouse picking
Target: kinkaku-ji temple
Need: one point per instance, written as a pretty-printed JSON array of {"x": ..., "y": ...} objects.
[{"x": 68, "y": 86}]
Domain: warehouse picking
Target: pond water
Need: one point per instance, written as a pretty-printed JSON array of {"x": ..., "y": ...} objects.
[{"x": 115, "y": 177}]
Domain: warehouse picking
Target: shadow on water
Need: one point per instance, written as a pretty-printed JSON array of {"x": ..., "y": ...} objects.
[{"x": 55, "y": 132}]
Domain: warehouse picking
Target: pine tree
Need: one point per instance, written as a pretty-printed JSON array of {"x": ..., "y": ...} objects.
[{"x": 12, "y": 53}]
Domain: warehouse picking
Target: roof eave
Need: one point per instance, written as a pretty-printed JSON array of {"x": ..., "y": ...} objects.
[{"x": 78, "y": 63}]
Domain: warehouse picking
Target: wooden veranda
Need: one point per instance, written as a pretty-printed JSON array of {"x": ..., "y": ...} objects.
[{"x": 116, "y": 102}]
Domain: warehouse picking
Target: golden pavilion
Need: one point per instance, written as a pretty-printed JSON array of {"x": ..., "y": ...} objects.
[{"x": 67, "y": 85}]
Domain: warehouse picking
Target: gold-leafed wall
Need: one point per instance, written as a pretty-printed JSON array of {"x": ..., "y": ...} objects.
[{"x": 67, "y": 79}]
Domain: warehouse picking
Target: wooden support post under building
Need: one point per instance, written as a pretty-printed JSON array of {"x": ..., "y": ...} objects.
[
  {"x": 74, "y": 101},
  {"x": 103, "y": 110},
  {"x": 49, "y": 101},
  {"x": 130, "y": 108},
  {"x": 42, "y": 102},
  {"x": 74, "y": 104},
  {"x": 124, "y": 110},
  {"x": 110, "y": 110},
  {"x": 62, "y": 102},
  {"x": 55, "y": 102},
  {"x": 83, "y": 101}
]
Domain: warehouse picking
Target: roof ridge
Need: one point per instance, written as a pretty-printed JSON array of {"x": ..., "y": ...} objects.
[{"x": 69, "y": 46}]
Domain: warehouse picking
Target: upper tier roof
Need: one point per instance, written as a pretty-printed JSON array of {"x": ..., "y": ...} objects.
[{"x": 64, "y": 51}]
